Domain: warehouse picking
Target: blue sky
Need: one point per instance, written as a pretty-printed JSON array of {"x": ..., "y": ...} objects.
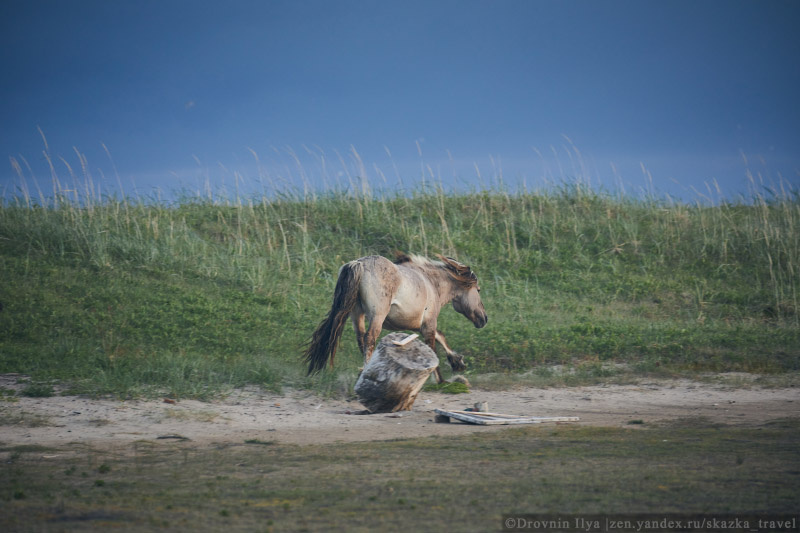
[{"x": 181, "y": 92}]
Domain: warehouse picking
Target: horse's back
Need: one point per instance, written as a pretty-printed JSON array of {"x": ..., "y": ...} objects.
[
  {"x": 375, "y": 262},
  {"x": 379, "y": 282}
]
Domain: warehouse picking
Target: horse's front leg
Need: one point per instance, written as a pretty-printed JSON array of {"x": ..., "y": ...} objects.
[
  {"x": 456, "y": 360},
  {"x": 439, "y": 377},
  {"x": 429, "y": 338}
]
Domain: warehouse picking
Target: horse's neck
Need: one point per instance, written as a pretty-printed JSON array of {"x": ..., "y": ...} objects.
[{"x": 443, "y": 283}]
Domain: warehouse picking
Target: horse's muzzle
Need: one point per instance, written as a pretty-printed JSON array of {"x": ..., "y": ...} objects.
[{"x": 480, "y": 320}]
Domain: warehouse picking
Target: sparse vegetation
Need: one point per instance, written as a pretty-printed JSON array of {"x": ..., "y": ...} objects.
[
  {"x": 260, "y": 442},
  {"x": 38, "y": 390},
  {"x": 13, "y": 417},
  {"x": 431, "y": 484}
]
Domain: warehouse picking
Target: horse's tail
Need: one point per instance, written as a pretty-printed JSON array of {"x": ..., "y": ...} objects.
[{"x": 323, "y": 343}]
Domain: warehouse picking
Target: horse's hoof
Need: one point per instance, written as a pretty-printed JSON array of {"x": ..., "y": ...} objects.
[
  {"x": 461, "y": 379},
  {"x": 457, "y": 363}
]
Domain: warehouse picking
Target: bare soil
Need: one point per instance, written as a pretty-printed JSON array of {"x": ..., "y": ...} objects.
[{"x": 300, "y": 417}]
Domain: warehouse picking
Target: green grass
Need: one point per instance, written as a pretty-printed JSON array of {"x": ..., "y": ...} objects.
[
  {"x": 130, "y": 297},
  {"x": 433, "y": 484},
  {"x": 448, "y": 387}
]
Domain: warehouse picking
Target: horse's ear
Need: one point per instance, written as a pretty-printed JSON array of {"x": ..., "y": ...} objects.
[
  {"x": 460, "y": 268},
  {"x": 401, "y": 257}
]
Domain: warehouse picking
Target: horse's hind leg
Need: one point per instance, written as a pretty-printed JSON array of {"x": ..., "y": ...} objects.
[
  {"x": 456, "y": 361},
  {"x": 358, "y": 319},
  {"x": 371, "y": 337}
]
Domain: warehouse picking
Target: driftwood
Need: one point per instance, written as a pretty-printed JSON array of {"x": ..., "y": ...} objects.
[{"x": 395, "y": 374}]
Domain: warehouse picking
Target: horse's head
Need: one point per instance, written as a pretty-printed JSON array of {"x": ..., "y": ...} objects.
[
  {"x": 468, "y": 303},
  {"x": 466, "y": 292}
]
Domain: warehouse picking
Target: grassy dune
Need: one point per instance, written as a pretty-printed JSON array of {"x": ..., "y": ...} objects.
[{"x": 131, "y": 297}]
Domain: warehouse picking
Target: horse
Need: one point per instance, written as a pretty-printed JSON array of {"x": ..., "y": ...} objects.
[{"x": 406, "y": 294}]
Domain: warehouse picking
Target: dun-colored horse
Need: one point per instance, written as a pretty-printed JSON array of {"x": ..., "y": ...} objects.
[{"x": 405, "y": 295}]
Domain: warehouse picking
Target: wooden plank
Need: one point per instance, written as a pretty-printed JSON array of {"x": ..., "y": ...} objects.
[
  {"x": 406, "y": 340},
  {"x": 482, "y": 413},
  {"x": 484, "y": 419},
  {"x": 499, "y": 416}
]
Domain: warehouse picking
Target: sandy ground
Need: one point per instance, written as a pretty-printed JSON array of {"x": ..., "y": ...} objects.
[{"x": 300, "y": 417}]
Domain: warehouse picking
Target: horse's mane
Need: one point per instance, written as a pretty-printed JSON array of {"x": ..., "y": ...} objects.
[
  {"x": 458, "y": 271},
  {"x": 402, "y": 257}
]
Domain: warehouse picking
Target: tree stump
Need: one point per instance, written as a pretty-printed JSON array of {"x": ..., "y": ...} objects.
[{"x": 395, "y": 374}]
